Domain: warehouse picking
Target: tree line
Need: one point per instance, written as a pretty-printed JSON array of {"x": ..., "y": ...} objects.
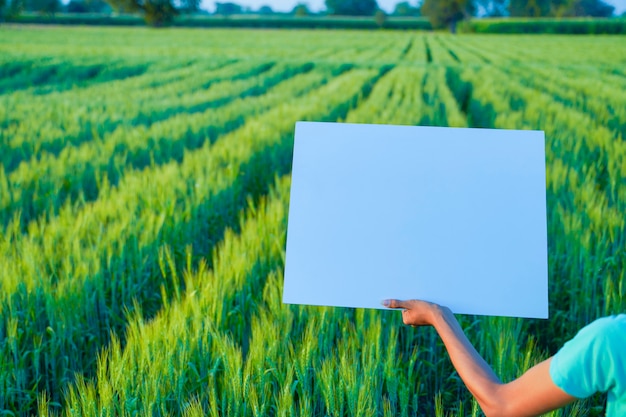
[
  {"x": 441, "y": 13},
  {"x": 449, "y": 12}
]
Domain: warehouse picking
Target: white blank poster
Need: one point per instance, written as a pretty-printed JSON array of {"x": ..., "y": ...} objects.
[{"x": 448, "y": 215}]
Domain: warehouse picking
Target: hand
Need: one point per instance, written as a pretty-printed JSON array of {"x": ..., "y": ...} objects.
[{"x": 416, "y": 312}]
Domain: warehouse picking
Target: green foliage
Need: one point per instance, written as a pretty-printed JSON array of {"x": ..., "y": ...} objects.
[
  {"x": 380, "y": 18},
  {"x": 265, "y": 10},
  {"x": 563, "y": 26},
  {"x": 228, "y": 8},
  {"x": 236, "y": 21},
  {"x": 351, "y": 7},
  {"x": 188, "y": 6},
  {"x": 593, "y": 8},
  {"x": 77, "y": 7},
  {"x": 156, "y": 12},
  {"x": 44, "y": 7},
  {"x": 143, "y": 212},
  {"x": 300, "y": 10},
  {"x": 492, "y": 8},
  {"x": 446, "y": 13},
  {"x": 87, "y": 6},
  {"x": 560, "y": 8},
  {"x": 159, "y": 12},
  {"x": 404, "y": 8},
  {"x": 530, "y": 8}
]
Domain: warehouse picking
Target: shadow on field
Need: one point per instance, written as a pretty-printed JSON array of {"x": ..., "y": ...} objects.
[{"x": 44, "y": 77}]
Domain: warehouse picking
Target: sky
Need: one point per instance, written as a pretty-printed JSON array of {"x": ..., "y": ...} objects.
[
  {"x": 317, "y": 5},
  {"x": 288, "y": 5}
]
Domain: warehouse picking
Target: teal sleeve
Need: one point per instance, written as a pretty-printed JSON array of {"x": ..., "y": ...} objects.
[{"x": 593, "y": 361}]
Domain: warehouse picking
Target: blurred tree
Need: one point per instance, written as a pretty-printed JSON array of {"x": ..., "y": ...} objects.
[
  {"x": 265, "y": 9},
  {"x": 593, "y": 8},
  {"x": 491, "y": 8},
  {"x": 404, "y": 8},
  {"x": 352, "y": 7},
  {"x": 530, "y": 8},
  {"x": 156, "y": 12},
  {"x": 380, "y": 17},
  {"x": 443, "y": 13},
  {"x": 561, "y": 8},
  {"x": 301, "y": 9},
  {"x": 159, "y": 12},
  {"x": 187, "y": 6},
  {"x": 47, "y": 7},
  {"x": 88, "y": 6},
  {"x": 228, "y": 8},
  {"x": 12, "y": 8},
  {"x": 77, "y": 6}
]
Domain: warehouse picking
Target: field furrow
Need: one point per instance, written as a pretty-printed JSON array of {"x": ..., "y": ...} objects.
[
  {"x": 398, "y": 88},
  {"x": 596, "y": 99},
  {"x": 43, "y": 186},
  {"x": 417, "y": 53},
  {"x": 97, "y": 113},
  {"x": 144, "y": 186},
  {"x": 229, "y": 328},
  {"x": 195, "y": 342},
  {"x": 583, "y": 205},
  {"x": 233, "y": 342},
  {"x": 463, "y": 54},
  {"x": 439, "y": 54},
  {"x": 110, "y": 257}
]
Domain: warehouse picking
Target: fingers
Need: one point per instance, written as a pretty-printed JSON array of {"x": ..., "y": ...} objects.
[
  {"x": 396, "y": 303},
  {"x": 406, "y": 319},
  {"x": 415, "y": 312}
]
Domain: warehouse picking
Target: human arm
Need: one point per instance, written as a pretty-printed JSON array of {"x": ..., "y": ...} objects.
[{"x": 531, "y": 394}]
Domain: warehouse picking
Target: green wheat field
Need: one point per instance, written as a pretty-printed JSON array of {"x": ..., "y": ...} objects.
[{"x": 144, "y": 191}]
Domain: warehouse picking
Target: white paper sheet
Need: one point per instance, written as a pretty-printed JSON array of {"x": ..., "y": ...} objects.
[{"x": 449, "y": 215}]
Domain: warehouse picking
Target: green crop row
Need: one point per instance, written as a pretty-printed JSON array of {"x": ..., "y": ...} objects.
[
  {"x": 585, "y": 204},
  {"x": 599, "y": 98},
  {"x": 239, "y": 366},
  {"x": 558, "y": 52},
  {"x": 104, "y": 256},
  {"x": 36, "y": 124},
  {"x": 44, "y": 185},
  {"x": 143, "y": 215},
  {"x": 424, "y": 92},
  {"x": 244, "y": 353}
]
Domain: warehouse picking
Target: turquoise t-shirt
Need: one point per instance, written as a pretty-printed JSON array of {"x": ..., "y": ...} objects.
[{"x": 595, "y": 361}]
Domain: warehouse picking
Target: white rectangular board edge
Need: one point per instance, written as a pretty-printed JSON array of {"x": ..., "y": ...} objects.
[{"x": 455, "y": 216}]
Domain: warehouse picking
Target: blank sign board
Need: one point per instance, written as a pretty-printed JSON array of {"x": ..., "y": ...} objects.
[{"x": 453, "y": 216}]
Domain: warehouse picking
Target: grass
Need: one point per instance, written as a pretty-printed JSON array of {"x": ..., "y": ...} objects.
[{"x": 143, "y": 207}]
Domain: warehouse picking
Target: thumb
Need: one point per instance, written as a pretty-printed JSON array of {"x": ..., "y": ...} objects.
[{"x": 395, "y": 303}]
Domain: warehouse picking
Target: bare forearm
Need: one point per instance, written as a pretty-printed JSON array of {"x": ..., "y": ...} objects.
[
  {"x": 477, "y": 375},
  {"x": 531, "y": 394}
]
